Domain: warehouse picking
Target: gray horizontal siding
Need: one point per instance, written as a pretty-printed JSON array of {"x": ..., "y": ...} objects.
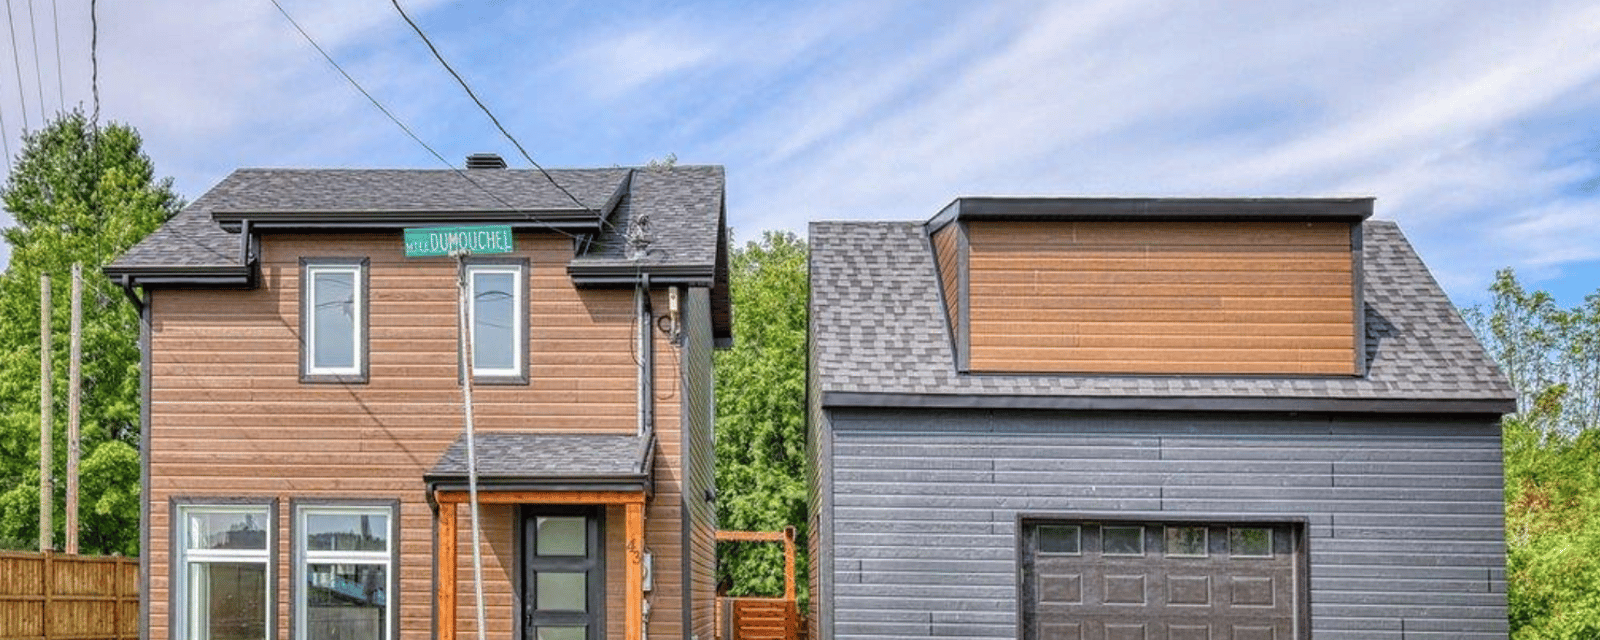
[{"x": 1404, "y": 514}]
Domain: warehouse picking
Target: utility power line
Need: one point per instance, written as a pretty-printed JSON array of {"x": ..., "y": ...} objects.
[
  {"x": 38, "y": 76},
  {"x": 403, "y": 126},
  {"x": 5, "y": 138},
  {"x": 16, "y": 61},
  {"x": 55, "y": 19},
  {"x": 94, "y": 61},
  {"x": 485, "y": 109}
]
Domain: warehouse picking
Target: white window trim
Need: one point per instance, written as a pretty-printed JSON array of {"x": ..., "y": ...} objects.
[
  {"x": 519, "y": 329},
  {"x": 358, "y": 331},
  {"x": 304, "y": 556},
  {"x": 185, "y": 609}
]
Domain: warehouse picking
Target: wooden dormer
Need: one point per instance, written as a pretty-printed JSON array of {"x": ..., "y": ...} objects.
[{"x": 1153, "y": 286}]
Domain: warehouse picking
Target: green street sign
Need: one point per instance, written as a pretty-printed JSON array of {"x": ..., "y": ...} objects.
[{"x": 441, "y": 241}]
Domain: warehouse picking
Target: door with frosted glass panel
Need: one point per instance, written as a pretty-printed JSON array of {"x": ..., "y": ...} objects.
[{"x": 563, "y": 586}]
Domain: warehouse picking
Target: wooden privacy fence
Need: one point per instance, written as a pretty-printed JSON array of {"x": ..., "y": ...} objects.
[{"x": 46, "y": 596}]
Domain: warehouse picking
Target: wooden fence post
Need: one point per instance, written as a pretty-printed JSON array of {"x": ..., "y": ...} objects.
[
  {"x": 74, "y": 389},
  {"x": 47, "y": 589},
  {"x": 116, "y": 616},
  {"x": 46, "y": 413}
]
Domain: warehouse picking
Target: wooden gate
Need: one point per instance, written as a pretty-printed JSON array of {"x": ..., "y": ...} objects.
[{"x": 762, "y": 618}]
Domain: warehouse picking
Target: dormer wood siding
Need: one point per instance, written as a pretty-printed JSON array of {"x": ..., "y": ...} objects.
[{"x": 1155, "y": 293}]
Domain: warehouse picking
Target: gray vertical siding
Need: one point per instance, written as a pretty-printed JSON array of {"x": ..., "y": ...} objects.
[
  {"x": 819, "y": 500},
  {"x": 1405, "y": 513},
  {"x": 699, "y": 458}
]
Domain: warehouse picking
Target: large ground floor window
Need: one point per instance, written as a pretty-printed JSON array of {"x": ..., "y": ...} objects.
[
  {"x": 1110, "y": 579},
  {"x": 222, "y": 584},
  {"x": 345, "y": 561}
]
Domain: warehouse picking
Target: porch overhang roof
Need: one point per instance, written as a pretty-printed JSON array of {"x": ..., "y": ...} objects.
[{"x": 548, "y": 462}]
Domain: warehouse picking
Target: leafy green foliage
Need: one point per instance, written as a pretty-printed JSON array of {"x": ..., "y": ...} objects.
[
  {"x": 1552, "y": 531},
  {"x": 761, "y": 394},
  {"x": 1540, "y": 346},
  {"x": 79, "y": 193},
  {"x": 1552, "y": 458}
]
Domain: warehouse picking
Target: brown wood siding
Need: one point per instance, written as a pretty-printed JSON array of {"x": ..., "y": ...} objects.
[
  {"x": 1161, "y": 297},
  {"x": 230, "y": 418},
  {"x": 499, "y": 535},
  {"x": 663, "y": 516},
  {"x": 947, "y": 252}
]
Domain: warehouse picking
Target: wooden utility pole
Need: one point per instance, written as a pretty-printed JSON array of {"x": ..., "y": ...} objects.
[
  {"x": 74, "y": 389},
  {"x": 46, "y": 486}
]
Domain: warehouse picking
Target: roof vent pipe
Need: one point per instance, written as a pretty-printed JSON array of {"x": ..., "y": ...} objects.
[{"x": 485, "y": 161}]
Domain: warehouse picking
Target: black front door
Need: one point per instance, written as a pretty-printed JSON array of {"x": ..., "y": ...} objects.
[{"x": 563, "y": 592}]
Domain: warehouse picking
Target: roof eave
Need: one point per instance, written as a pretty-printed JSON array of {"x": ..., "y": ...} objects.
[
  {"x": 217, "y": 276},
  {"x": 1465, "y": 406},
  {"x": 567, "y": 220},
  {"x": 1046, "y": 208},
  {"x": 630, "y": 274},
  {"x": 631, "y": 483}
]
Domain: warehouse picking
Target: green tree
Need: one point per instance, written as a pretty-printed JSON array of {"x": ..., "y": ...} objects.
[
  {"x": 1552, "y": 458},
  {"x": 1541, "y": 346},
  {"x": 761, "y": 395},
  {"x": 1552, "y": 529},
  {"x": 79, "y": 193}
]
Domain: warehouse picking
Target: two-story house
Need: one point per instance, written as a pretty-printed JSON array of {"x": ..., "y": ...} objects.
[
  {"x": 1152, "y": 419},
  {"x": 304, "y": 468}
]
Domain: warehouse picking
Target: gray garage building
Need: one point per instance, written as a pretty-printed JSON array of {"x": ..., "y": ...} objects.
[{"x": 1161, "y": 419}]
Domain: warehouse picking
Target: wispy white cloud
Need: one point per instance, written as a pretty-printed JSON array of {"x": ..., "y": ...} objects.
[
  {"x": 1460, "y": 118},
  {"x": 1414, "y": 106},
  {"x": 618, "y": 64}
]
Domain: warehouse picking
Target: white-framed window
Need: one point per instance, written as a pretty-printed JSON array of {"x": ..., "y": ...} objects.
[
  {"x": 497, "y": 313},
  {"x": 333, "y": 319},
  {"x": 345, "y": 572},
  {"x": 222, "y": 572}
]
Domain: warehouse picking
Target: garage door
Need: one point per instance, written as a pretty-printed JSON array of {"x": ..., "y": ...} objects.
[{"x": 1100, "y": 580}]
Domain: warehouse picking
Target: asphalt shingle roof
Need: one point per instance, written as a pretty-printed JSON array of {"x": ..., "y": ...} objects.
[
  {"x": 878, "y": 327},
  {"x": 683, "y": 206},
  {"x": 683, "y": 203},
  {"x": 544, "y": 456}
]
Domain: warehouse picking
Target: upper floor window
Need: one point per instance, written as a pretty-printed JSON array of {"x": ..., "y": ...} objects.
[
  {"x": 333, "y": 319},
  {"x": 498, "y": 316}
]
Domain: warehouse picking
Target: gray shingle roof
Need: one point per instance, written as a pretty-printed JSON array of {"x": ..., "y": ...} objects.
[
  {"x": 878, "y": 329},
  {"x": 547, "y": 456},
  {"x": 683, "y": 209},
  {"x": 684, "y": 205}
]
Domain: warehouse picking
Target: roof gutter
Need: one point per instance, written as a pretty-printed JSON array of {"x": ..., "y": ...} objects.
[
  {"x": 1148, "y": 209},
  {"x": 234, "y": 276},
  {"x": 1487, "y": 406},
  {"x": 133, "y": 296},
  {"x": 628, "y": 274},
  {"x": 218, "y": 277},
  {"x": 569, "y": 220},
  {"x": 554, "y": 483}
]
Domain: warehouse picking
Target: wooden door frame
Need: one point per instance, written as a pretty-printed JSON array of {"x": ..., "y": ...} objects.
[{"x": 446, "y": 554}]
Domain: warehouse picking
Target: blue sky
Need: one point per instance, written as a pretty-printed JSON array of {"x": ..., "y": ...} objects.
[{"x": 1476, "y": 125}]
